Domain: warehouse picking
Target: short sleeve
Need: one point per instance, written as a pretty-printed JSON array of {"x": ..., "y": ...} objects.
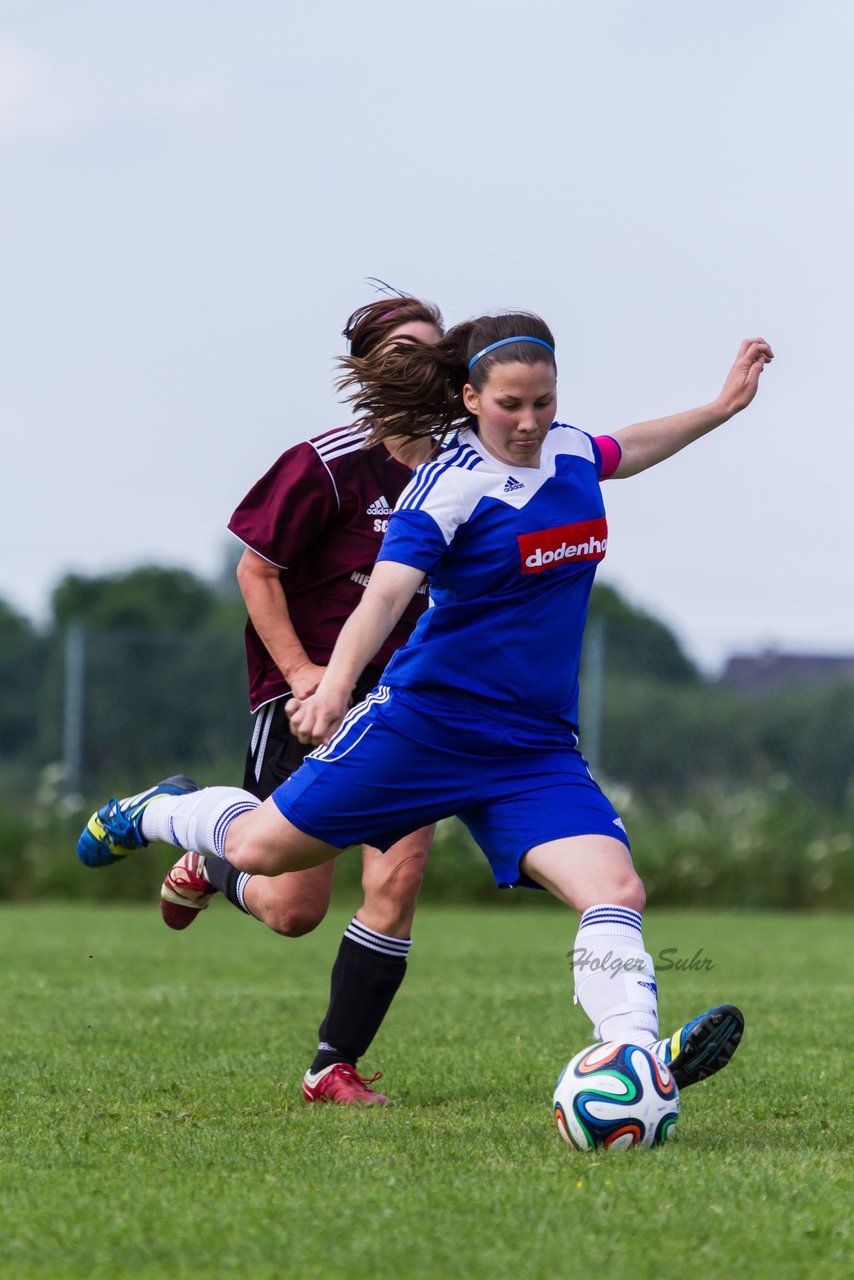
[
  {"x": 413, "y": 538},
  {"x": 289, "y": 508}
]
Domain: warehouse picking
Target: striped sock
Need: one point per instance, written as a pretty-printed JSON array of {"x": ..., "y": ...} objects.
[
  {"x": 232, "y": 883},
  {"x": 614, "y": 976},
  {"x": 199, "y": 820},
  {"x": 373, "y": 941},
  {"x": 367, "y": 973}
]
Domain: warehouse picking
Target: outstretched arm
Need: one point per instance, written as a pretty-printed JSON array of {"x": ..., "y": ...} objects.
[
  {"x": 646, "y": 443},
  {"x": 389, "y": 591}
]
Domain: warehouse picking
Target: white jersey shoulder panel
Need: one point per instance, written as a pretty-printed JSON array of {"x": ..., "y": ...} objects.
[{"x": 448, "y": 489}]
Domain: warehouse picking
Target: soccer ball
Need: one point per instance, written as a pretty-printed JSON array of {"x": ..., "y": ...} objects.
[{"x": 615, "y": 1095}]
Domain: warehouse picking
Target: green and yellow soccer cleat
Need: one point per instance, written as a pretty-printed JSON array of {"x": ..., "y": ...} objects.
[
  {"x": 114, "y": 831},
  {"x": 703, "y": 1046}
]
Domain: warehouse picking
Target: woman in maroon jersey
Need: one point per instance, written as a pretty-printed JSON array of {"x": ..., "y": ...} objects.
[{"x": 312, "y": 527}]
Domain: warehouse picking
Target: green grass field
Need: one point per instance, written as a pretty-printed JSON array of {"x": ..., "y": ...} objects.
[{"x": 152, "y": 1124}]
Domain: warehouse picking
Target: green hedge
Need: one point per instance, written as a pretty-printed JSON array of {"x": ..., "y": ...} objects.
[
  {"x": 744, "y": 846},
  {"x": 667, "y": 740}
]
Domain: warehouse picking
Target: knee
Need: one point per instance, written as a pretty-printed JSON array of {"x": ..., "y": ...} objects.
[
  {"x": 290, "y": 905},
  {"x": 248, "y": 849},
  {"x": 621, "y": 887},
  {"x": 292, "y": 920},
  {"x": 244, "y": 854},
  {"x": 628, "y": 891}
]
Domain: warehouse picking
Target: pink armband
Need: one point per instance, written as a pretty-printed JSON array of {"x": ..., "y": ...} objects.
[{"x": 611, "y": 455}]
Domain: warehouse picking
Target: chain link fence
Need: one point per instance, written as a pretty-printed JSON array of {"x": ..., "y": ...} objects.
[
  {"x": 108, "y": 706},
  {"x": 102, "y": 707},
  {"x": 757, "y": 788}
]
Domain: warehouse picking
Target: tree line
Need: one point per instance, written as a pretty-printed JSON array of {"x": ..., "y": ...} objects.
[{"x": 164, "y": 689}]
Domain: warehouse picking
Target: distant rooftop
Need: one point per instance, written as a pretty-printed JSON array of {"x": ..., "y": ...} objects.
[{"x": 760, "y": 672}]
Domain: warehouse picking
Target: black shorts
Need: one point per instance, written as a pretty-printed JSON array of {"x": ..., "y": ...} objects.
[{"x": 274, "y": 753}]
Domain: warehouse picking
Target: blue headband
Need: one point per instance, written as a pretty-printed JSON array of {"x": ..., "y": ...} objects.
[{"x": 503, "y": 343}]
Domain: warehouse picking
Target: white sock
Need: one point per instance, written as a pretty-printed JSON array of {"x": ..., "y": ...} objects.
[
  {"x": 615, "y": 977},
  {"x": 198, "y": 820}
]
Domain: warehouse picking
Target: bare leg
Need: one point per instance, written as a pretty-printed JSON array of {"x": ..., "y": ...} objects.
[
  {"x": 263, "y": 842},
  {"x": 291, "y": 904},
  {"x": 391, "y": 883},
  {"x": 585, "y": 870},
  {"x": 294, "y": 903}
]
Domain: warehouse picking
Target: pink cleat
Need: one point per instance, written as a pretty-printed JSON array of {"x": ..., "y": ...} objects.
[
  {"x": 341, "y": 1083},
  {"x": 185, "y": 891}
]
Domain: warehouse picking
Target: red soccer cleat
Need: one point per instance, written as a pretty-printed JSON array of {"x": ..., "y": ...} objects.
[
  {"x": 341, "y": 1083},
  {"x": 185, "y": 891}
]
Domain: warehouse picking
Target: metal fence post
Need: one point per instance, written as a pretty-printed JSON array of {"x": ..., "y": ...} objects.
[{"x": 73, "y": 709}]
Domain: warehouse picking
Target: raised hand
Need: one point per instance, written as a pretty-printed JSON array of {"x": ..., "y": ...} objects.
[{"x": 743, "y": 378}]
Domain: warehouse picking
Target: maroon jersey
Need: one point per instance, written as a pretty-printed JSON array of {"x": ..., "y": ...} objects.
[{"x": 319, "y": 515}]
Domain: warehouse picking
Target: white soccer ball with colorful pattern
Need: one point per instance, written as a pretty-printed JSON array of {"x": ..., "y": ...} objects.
[{"x": 615, "y": 1095}]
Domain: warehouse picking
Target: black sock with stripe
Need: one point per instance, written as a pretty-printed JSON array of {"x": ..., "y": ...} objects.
[
  {"x": 365, "y": 979},
  {"x": 230, "y": 882}
]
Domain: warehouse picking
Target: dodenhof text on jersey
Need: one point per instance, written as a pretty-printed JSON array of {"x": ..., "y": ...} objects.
[{"x": 586, "y": 540}]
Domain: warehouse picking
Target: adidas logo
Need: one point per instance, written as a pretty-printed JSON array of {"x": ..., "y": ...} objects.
[
  {"x": 379, "y": 508},
  {"x": 512, "y": 485}
]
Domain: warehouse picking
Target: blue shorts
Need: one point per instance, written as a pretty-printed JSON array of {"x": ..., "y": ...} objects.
[{"x": 404, "y": 758}]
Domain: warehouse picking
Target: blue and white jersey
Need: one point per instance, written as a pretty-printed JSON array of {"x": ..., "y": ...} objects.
[{"x": 510, "y": 555}]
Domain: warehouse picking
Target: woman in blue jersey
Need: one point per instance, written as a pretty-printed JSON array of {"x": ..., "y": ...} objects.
[{"x": 477, "y": 714}]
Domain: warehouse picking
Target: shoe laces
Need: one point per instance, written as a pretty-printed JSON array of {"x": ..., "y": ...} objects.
[
  {"x": 345, "y": 1069},
  {"x": 345, "y": 1077},
  {"x": 184, "y": 877},
  {"x": 116, "y": 824}
]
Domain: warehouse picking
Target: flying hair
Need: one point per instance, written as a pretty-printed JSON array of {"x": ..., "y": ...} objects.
[
  {"x": 373, "y": 324},
  {"x": 414, "y": 389}
]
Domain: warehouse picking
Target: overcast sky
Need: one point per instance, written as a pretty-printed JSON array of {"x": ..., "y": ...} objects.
[{"x": 193, "y": 192}]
